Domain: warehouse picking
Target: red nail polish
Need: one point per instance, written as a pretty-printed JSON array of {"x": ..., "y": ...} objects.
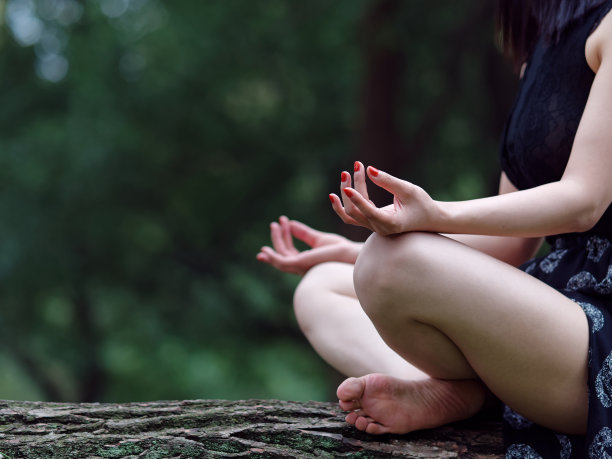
[
  {"x": 356, "y": 166},
  {"x": 348, "y": 192},
  {"x": 344, "y": 176},
  {"x": 331, "y": 198},
  {"x": 373, "y": 171}
]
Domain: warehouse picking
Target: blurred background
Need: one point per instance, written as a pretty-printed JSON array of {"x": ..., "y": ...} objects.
[{"x": 146, "y": 145}]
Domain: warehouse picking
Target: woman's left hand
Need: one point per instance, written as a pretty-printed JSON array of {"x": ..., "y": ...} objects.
[
  {"x": 412, "y": 208},
  {"x": 324, "y": 247}
]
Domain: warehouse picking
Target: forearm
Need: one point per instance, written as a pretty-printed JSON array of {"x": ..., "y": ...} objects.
[
  {"x": 553, "y": 208},
  {"x": 512, "y": 250},
  {"x": 352, "y": 252}
]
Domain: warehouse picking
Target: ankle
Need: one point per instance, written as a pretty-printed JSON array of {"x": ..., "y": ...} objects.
[{"x": 463, "y": 398}]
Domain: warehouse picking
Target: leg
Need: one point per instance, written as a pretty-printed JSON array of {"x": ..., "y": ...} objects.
[
  {"x": 458, "y": 315},
  {"x": 336, "y": 326}
]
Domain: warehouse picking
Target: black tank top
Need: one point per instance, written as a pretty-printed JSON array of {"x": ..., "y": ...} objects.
[{"x": 552, "y": 95}]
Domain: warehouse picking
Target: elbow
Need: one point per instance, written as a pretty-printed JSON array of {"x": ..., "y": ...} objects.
[
  {"x": 588, "y": 217},
  {"x": 585, "y": 205}
]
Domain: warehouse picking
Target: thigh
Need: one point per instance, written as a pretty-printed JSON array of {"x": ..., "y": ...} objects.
[{"x": 525, "y": 340}]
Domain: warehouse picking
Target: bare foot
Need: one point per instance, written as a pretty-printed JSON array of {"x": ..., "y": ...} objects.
[{"x": 381, "y": 404}]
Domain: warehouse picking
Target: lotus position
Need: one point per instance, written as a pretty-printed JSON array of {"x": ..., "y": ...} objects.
[{"x": 431, "y": 317}]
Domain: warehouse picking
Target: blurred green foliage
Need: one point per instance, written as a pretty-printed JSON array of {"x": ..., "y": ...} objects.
[{"x": 145, "y": 146}]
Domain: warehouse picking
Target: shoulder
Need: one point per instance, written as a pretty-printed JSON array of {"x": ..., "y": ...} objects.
[{"x": 599, "y": 44}]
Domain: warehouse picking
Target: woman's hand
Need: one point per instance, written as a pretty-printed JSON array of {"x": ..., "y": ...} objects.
[
  {"x": 412, "y": 208},
  {"x": 324, "y": 247}
]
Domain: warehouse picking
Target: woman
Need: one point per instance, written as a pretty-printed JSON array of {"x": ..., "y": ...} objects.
[{"x": 427, "y": 324}]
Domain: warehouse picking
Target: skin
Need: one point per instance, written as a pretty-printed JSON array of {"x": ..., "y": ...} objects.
[{"x": 434, "y": 321}]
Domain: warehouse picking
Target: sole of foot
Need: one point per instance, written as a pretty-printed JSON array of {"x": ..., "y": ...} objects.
[{"x": 380, "y": 404}]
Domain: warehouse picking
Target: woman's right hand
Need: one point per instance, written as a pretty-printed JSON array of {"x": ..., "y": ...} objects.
[{"x": 324, "y": 247}]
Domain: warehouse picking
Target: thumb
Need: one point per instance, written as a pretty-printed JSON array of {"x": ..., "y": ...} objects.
[{"x": 388, "y": 182}]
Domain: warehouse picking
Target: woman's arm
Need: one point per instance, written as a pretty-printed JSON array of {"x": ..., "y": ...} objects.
[
  {"x": 512, "y": 250},
  {"x": 521, "y": 249},
  {"x": 573, "y": 204},
  {"x": 583, "y": 194}
]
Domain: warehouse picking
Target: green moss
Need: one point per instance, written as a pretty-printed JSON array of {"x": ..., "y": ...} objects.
[
  {"x": 301, "y": 442},
  {"x": 224, "y": 446},
  {"x": 368, "y": 455},
  {"x": 124, "y": 449},
  {"x": 158, "y": 453}
]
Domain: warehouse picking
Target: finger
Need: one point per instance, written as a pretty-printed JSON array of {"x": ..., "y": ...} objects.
[
  {"x": 300, "y": 262},
  {"x": 353, "y": 213},
  {"x": 290, "y": 264},
  {"x": 388, "y": 182},
  {"x": 377, "y": 220},
  {"x": 279, "y": 261},
  {"x": 265, "y": 257},
  {"x": 337, "y": 206},
  {"x": 366, "y": 210},
  {"x": 304, "y": 232},
  {"x": 359, "y": 179},
  {"x": 345, "y": 181},
  {"x": 276, "y": 235},
  {"x": 267, "y": 254},
  {"x": 308, "y": 258},
  {"x": 268, "y": 259},
  {"x": 286, "y": 234}
]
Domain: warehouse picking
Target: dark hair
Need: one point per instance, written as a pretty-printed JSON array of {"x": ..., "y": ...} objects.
[{"x": 521, "y": 22}]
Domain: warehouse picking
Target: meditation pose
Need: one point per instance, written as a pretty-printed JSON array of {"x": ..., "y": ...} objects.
[{"x": 430, "y": 316}]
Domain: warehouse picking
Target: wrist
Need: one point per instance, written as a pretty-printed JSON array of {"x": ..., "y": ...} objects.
[
  {"x": 352, "y": 251},
  {"x": 440, "y": 218}
]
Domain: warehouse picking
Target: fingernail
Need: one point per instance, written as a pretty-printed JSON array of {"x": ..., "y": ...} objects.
[
  {"x": 331, "y": 198},
  {"x": 373, "y": 171},
  {"x": 344, "y": 176},
  {"x": 356, "y": 165},
  {"x": 348, "y": 192}
]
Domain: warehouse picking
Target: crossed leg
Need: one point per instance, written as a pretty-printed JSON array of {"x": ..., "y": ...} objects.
[
  {"x": 463, "y": 317},
  {"x": 331, "y": 318},
  {"x": 336, "y": 326}
]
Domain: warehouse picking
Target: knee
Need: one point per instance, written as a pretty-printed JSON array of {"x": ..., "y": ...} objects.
[
  {"x": 314, "y": 281},
  {"x": 390, "y": 269},
  {"x": 307, "y": 298}
]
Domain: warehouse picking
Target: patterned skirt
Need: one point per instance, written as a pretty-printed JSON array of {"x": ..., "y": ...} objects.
[{"x": 580, "y": 267}]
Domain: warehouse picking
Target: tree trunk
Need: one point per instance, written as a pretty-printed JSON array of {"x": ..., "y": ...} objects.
[{"x": 219, "y": 428}]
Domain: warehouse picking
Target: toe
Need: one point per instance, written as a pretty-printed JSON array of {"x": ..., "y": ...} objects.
[
  {"x": 377, "y": 429},
  {"x": 362, "y": 423},
  {"x": 350, "y": 405},
  {"x": 351, "y": 417},
  {"x": 351, "y": 389}
]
